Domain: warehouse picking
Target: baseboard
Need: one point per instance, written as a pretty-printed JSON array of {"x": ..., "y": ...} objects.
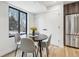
[
  {"x": 8, "y": 53},
  {"x": 72, "y": 47}
]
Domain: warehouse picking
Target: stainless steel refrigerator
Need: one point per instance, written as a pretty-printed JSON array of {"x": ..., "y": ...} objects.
[{"x": 72, "y": 30}]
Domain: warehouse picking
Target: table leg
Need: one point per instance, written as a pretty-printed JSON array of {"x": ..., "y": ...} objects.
[
  {"x": 33, "y": 38},
  {"x": 40, "y": 49}
]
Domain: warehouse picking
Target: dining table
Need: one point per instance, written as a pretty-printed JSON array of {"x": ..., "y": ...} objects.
[{"x": 39, "y": 38}]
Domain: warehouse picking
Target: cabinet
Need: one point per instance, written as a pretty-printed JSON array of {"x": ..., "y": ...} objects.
[
  {"x": 71, "y": 20},
  {"x": 72, "y": 8}
]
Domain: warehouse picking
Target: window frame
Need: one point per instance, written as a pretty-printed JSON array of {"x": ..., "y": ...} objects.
[{"x": 19, "y": 21}]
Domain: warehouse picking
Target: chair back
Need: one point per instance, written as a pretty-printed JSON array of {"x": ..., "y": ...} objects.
[
  {"x": 27, "y": 45},
  {"x": 49, "y": 39},
  {"x": 17, "y": 37}
]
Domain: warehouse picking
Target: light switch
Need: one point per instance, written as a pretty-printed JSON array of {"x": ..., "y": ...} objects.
[{"x": 58, "y": 27}]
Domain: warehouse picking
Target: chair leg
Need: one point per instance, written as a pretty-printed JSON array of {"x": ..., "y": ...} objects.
[
  {"x": 37, "y": 51},
  {"x": 33, "y": 54},
  {"x": 16, "y": 50},
  {"x": 22, "y": 54},
  {"x": 42, "y": 48},
  {"x": 47, "y": 51},
  {"x": 26, "y": 54},
  {"x": 36, "y": 54}
]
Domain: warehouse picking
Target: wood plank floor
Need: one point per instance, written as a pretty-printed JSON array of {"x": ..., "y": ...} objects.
[
  {"x": 63, "y": 52},
  {"x": 53, "y": 52}
]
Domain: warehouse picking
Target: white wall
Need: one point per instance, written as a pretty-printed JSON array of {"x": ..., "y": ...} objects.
[
  {"x": 31, "y": 21},
  {"x": 5, "y": 44},
  {"x": 52, "y": 20},
  {"x": 8, "y": 44}
]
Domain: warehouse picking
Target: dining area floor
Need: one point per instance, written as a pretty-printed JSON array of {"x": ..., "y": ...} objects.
[{"x": 54, "y": 51}]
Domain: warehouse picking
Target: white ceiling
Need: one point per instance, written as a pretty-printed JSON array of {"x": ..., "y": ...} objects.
[
  {"x": 30, "y": 6},
  {"x": 37, "y": 6},
  {"x": 52, "y": 3}
]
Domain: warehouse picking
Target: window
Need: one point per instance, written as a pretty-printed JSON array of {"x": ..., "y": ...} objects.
[
  {"x": 22, "y": 22},
  {"x": 17, "y": 22}
]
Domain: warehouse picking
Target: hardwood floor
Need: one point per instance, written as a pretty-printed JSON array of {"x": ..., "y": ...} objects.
[
  {"x": 53, "y": 52},
  {"x": 63, "y": 52}
]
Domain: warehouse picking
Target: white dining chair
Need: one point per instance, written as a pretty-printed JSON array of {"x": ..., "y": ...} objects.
[
  {"x": 17, "y": 41},
  {"x": 46, "y": 44},
  {"x": 28, "y": 46}
]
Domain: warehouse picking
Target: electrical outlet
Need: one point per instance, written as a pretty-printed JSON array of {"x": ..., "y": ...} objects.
[
  {"x": 58, "y": 27},
  {"x": 58, "y": 41}
]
